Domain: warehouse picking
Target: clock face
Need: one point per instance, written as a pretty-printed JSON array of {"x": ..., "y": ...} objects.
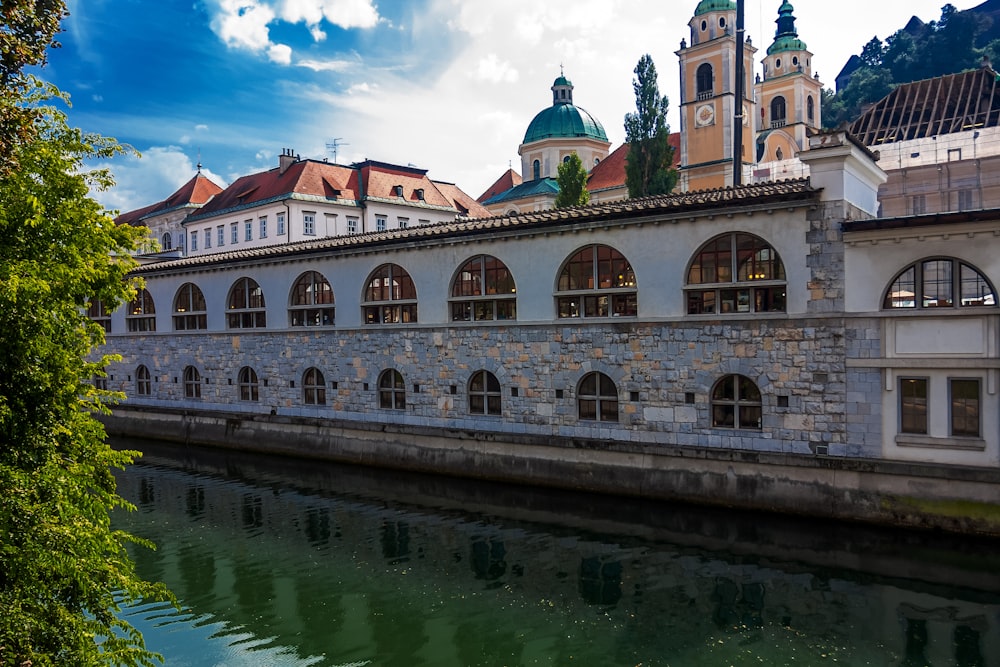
[{"x": 704, "y": 115}]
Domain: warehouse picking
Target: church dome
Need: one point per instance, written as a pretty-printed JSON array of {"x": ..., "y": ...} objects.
[
  {"x": 706, "y": 6},
  {"x": 563, "y": 119},
  {"x": 786, "y": 38}
]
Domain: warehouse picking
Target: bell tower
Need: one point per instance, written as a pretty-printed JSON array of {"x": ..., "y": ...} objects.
[
  {"x": 708, "y": 105},
  {"x": 789, "y": 94}
]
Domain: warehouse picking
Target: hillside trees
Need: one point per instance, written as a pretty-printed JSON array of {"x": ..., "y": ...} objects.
[
  {"x": 63, "y": 570},
  {"x": 649, "y": 166}
]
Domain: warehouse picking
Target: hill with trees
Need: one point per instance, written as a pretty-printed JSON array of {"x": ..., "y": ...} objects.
[{"x": 956, "y": 42}]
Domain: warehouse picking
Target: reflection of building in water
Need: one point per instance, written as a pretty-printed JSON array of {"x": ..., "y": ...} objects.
[{"x": 315, "y": 572}]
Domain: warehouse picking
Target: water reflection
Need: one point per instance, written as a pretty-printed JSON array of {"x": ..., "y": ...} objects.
[{"x": 288, "y": 563}]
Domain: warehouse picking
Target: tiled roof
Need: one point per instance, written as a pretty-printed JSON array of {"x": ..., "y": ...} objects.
[
  {"x": 195, "y": 192},
  {"x": 508, "y": 180},
  {"x": 381, "y": 182},
  {"x": 463, "y": 203},
  {"x": 691, "y": 203},
  {"x": 541, "y": 186}
]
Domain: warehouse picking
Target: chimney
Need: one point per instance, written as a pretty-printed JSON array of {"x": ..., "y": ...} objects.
[{"x": 287, "y": 159}]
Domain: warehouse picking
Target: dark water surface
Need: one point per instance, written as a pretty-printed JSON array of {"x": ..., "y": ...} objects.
[{"x": 280, "y": 562}]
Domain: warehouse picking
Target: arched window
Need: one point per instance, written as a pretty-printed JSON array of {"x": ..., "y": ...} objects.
[
  {"x": 597, "y": 281},
  {"x": 736, "y": 273},
  {"x": 189, "y": 308},
  {"x": 391, "y": 390},
  {"x": 166, "y": 242},
  {"x": 245, "y": 306},
  {"x": 483, "y": 289},
  {"x": 597, "y": 398},
  {"x": 312, "y": 301},
  {"x": 313, "y": 387},
  {"x": 566, "y": 160},
  {"x": 141, "y": 314},
  {"x": 390, "y": 297},
  {"x": 143, "y": 384},
  {"x": 192, "y": 382},
  {"x": 484, "y": 394},
  {"x": 99, "y": 314},
  {"x": 249, "y": 387},
  {"x": 811, "y": 109},
  {"x": 704, "y": 81},
  {"x": 536, "y": 170},
  {"x": 940, "y": 283},
  {"x": 736, "y": 403},
  {"x": 778, "y": 111}
]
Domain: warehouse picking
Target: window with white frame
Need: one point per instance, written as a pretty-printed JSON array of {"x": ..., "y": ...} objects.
[
  {"x": 208, "y": 238},
  {"x": 352, "y": 225},
  {"x": 248, "y": 230},
  {"x": 380, "y": 223},
  {"x": 403, "y": 223},
  {"x": 280, "y": 222},
  {"x": 234, "y": 233},
  {"x": 309, "y": 224},
  {"x": 194, "y": 241},
  {"x": 263, "y": 227},
  {"x": 221, "y": 233},
  {"x": 940, "y": 283}
]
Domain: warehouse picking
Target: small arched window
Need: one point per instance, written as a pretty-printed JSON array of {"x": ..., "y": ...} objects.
[
  {"x": 313, "y": 387},
  {"x": 391, "y": 390},
  {"x": 704, "y": 81},
  {"x": 778, "y": 111},
  {"x": 484, "y": 394},
  {"x": 483, "y": 289},
  {"x": 736, "y": 273},
  {"x": 536, "y": 170},
  {"x": 245, "y": 308},
  {"x": 141, "y": 315},
  {"x": 249, "y": 386},
  {"x": 189, "y": 308},
  {"x": 312, "y": 301},
  {"x": 597, "y": 398},
  {"x": 192, "y": 382},
  {"x": 166, "y": 242},
  {"x": 736, "y": 403},
  {"x": 811, "y": 109},
  {"x": 597, "y": 281},
  {"x": 143, "y": 384},
  {"x": 939, "y": 283},
  {"x": 99, "y": 315},
  {"x": 390, "y": 297}
]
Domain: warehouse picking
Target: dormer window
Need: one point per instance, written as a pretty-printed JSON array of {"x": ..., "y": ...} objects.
[
  {"x": 398, "y": 190},
  {"x": 420, "y": 194}
]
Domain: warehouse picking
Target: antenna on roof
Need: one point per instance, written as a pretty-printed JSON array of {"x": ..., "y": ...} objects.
[{"x": 334, "y": 145}]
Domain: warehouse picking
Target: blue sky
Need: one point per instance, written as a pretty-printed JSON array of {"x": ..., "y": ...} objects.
[{"x": 446, "y": 85}]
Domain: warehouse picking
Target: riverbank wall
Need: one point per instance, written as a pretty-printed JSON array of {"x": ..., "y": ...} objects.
[{"x": 915, "y": 495}]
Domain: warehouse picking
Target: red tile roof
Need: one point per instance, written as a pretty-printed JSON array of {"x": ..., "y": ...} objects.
[
  {"x": 465, "y": 204},
  {"x": 510, "y": 179},
  {"x": 195, "y": 192},
  {"x": 610, "y": 172}
]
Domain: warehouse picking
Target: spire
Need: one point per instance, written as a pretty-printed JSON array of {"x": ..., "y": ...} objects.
[{"x": 786, "y": 21}]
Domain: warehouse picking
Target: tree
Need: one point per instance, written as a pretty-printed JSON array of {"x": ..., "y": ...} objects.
[
  {"x": 649, "y": 165},
  {"x": 873, "y": 52},
  {"x": 63, "y": 571},
  {"x": 572, "y": 180}
]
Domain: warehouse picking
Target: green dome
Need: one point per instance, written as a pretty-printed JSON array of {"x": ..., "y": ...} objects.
[
  {"x": 786, "y": 38},
  {"x": 706, "y": 6},
  {"x": 564, "y": 121},
  {"x": 783, "y": 44}
]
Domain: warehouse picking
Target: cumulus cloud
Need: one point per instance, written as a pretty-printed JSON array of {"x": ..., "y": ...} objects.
[
  {"x": 280, "y": 53},
  {"x": 344, "y": 14},
  {"x": 244, "y": 24}
]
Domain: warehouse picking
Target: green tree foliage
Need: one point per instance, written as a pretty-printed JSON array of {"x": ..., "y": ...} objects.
[
  {"x": 649, "y": 165},
  {"x": 63, "y": 570},
  {"x": 572, "y": 180}
]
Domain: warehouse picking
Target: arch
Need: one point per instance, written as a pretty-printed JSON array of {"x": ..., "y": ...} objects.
[
  {"x": 704, "y": 81},
  {"x": 390, "y": 297},
  {"x": 192, "y": 382},
  {"x": 597, "y": 398},
  {"x": 736, "y": 403},
  {"x": 391, "y": 390},
  {"x": 596, "y": 281},
  {"x": 166, "y": 241},
  {"x": 939, "y": 282},
  {"x": 483, "y": 289},
  {"x": 811, "y": 109},
  {"x": 99, "y": 315},
  {"x": 249, "y": 384},
  {"x": 143, "y": 382},
  {"x": 484, "y": 394},
  {"x": 245, "y": 305},
  {"x": 736, "y": 273},
  {"x": 141, "y": 314},
  {"x": 313, "y": 387},
  {"x": 536, "y": 170},
  {"x": 311, "y": 302},
  {"x": 190, "y": 312},
  {"x": 778, "y": 111}
]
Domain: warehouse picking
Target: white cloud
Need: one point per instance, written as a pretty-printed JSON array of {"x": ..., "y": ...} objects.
[
  {"x": 280, "y": 53},
  {"x": 244, "y": 24},
  {"x": 201, "y": 127},
  {"x": 155, "y": 176},
  {"x": 492, "y": 69},
  {"x": 324, "y": 65},
  {"x": 345, "y": 14}
]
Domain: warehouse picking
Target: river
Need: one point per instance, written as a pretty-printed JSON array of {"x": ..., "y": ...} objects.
[{"x": 286, "y": 563}]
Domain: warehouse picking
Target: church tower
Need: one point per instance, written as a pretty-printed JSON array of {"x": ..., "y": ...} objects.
[
  {"x": 789, "y": 94},
  {"x": 708, "y": 104}
]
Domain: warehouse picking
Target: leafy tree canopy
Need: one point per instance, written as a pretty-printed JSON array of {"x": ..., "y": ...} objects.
[
  {"x": 649, "y": 165},
  {"x": 572, "y": 180}
]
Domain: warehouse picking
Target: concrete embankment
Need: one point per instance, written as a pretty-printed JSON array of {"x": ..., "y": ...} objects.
[{"x": 956, "y": 499}]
